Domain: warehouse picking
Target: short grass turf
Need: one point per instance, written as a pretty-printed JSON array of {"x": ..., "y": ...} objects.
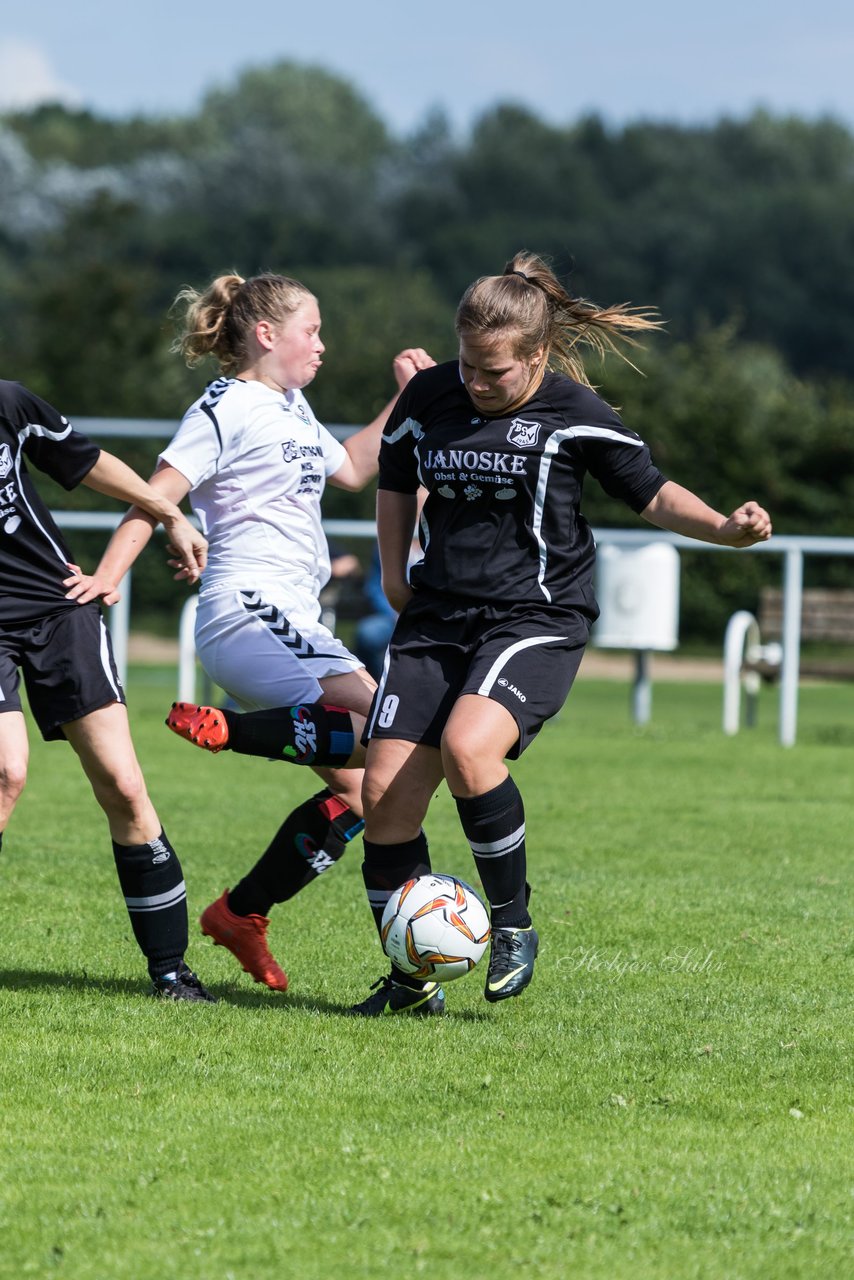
[{"x": 670, "y": 1098}]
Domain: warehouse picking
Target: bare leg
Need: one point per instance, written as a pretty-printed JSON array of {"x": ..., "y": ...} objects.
[
  {"x": 400, "y": 780},
  {"x": 477, "y": 737},
  {"x": 148, "y": 868},
  {"x": 103, "y": 743},
  {"x": 14, "y": 759}
]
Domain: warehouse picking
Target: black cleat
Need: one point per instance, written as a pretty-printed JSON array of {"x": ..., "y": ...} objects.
[
  {"x": 511, "y": 962},
  {"x": 184, "y": 986},
  {"x": 394, "y": 997}
]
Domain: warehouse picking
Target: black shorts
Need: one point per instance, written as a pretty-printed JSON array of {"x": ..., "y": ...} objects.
[
  {"x": 68, "y": 667},
  {"x": 523, "y": 659}
]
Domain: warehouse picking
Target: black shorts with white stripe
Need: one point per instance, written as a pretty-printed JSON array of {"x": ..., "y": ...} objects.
[
  {"x": 67, "y": 663},
  {"x": 523, "y": 659}
]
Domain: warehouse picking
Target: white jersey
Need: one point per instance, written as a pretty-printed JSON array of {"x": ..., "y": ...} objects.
[{"x": 257, "y": 462}]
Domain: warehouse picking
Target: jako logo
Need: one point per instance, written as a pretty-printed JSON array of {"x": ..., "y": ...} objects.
[
  {"x": 517, "y": 693},
  {"x": 161, "y": 853}
]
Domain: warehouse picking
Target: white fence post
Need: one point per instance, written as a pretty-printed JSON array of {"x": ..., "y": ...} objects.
[
  {"x": 740, "y": 642},
  {"x": 793, "y": 547},
  {"x": 793, "y": 583},
  {"x": 187, "y": 651},
  {"x": 119, "y": 624}
]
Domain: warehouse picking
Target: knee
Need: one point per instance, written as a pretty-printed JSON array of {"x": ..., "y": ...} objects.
[
  {"x": 123, "y": 791},
  {"x": 472, "y": 765},
  {"x": 392, "y": 812},
  {"x": 13, "y": 779},
  {"x": 373, "y": 794},
  {"x": 462, "y": 761},
  {"x": 383, "y": 805}
]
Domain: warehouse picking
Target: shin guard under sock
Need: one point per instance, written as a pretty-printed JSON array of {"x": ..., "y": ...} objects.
[
  {"x": 153, "y": 886},
  {"x": 494, "y": 825},
  {"x": 386, "y": 868},
  {"x": 310, "y": 840},
  {"x": 313, "y": 733}
]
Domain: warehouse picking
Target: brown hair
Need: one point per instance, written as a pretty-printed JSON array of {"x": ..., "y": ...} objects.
[
  {"x": 529, "y": 303},
  {"x": 220, "y": 321}
]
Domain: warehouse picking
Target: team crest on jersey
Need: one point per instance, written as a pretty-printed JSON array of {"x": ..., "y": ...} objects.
[
  {"x": 523, "y": 434},
  {"x": 5, "y": 460}
]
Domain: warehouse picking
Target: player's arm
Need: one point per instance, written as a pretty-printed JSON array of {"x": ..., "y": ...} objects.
[
  {"x": 154, "y": 503},
  {"x": 396, "y": 513},
  {"x": 363, "y": 446},
  {"x": 681, "y": 511}
]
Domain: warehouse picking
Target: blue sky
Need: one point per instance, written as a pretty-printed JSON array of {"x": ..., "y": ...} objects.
[{"x": 662, "y": 59}]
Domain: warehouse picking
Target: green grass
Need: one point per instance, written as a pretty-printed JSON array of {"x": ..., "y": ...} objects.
[{"x": 671, "y": 1098}]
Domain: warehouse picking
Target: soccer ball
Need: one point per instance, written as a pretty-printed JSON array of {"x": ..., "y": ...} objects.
[{"x": 435, "y": 927}]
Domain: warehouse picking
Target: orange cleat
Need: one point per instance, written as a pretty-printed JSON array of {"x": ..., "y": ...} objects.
[
  {"x": 246, "y": 938},
  {"x": 205, "y": 727}
]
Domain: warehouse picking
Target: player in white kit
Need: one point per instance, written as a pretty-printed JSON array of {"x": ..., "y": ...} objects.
[{"x": 254, "y": 460}]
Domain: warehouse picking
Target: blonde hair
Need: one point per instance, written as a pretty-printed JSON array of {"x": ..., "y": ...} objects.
[
  {"x": 220, "y": 321},
  {"x": 530, "y": 305}
]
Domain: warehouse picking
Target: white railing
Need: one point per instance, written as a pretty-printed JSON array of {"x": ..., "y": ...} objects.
[{"x": 793, "y": 548}]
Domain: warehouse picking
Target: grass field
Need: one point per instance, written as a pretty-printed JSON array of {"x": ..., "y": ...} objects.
[{"x": 671, "y": 1098}]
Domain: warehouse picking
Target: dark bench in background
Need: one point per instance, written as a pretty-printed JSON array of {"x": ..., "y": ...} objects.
[{"x": 827, "y": 616}]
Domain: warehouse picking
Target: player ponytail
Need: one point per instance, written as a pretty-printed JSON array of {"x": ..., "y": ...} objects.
[
  {"x": 530, "y": 305},
  {"x": 220, "y": 321}
]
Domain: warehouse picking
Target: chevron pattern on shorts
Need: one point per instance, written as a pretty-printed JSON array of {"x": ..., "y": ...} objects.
[{"x": 278, "y": 625}]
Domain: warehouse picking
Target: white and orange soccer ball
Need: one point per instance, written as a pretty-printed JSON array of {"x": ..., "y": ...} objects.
[{"x": 435, "y": 927}]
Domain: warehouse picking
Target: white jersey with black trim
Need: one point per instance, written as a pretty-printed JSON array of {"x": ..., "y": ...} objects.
[
  {"x": 502, "y": 522},
  {"x": 257, "y": 461}
]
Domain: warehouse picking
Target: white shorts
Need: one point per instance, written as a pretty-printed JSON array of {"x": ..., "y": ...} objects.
[{"x": 266, "y": 649}]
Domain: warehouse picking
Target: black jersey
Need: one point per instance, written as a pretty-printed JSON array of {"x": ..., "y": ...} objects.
[
  {"x": 502, "y": 520},
  {"x": 33, "y": 555}
]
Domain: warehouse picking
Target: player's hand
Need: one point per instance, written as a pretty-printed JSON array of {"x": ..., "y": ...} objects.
[
  {"x": 86, "y": 587},
  {"x": 408, "y": 362},
  {"x": 747, "y": 525},
  {"x": 187, "y": 548}
]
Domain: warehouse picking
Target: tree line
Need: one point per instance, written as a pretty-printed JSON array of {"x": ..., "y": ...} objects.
[{"x": 740, "y": 233}]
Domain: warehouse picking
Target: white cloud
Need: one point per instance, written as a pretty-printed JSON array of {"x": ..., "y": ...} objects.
[{"x": 27, "y": 78}]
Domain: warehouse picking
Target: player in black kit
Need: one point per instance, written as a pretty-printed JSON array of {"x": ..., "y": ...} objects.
[
  {"x": 63, "y": 650},
  {"x": 495, "y": 617}
]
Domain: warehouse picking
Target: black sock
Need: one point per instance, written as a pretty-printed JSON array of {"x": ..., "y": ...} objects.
[
  {"x": 312, "y": 733},
  {"x": 494, "y": 824},
  {"x": 153, "y": 886},
  {"x": 386, "y": 868},
  {"x": 310, "y": 840}
]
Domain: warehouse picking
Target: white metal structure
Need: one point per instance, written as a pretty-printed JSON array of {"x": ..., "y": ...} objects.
[
  {"x": 638, "y": 593},
  {"x": 187, "y": 651},
  {"x": 793, "y": 548},
  {"x": 741, "y": 645}
]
